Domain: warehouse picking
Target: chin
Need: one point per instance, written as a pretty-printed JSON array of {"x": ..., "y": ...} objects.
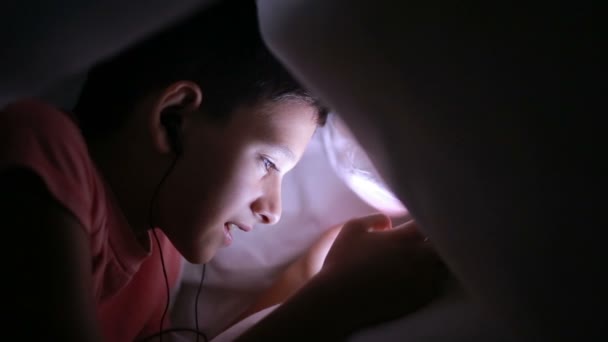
[
  {"x": 200, "y": 255},
  {"x": 200, "y": 258}
]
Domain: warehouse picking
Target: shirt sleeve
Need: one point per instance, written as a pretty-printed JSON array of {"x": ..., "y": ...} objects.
[{"x": 44, "y": 140}]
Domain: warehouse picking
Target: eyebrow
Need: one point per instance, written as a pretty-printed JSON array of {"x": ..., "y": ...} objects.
[{"x": 284, "y": 151}]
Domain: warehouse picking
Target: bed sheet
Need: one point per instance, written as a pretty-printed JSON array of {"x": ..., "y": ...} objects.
[{"x": 453, "y": 317}]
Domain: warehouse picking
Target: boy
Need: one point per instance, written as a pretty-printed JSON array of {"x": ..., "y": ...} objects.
[{"x": 180, "y": 140}]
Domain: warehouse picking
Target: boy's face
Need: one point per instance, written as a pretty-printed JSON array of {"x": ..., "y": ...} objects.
[{"x": 229, "y": 175}]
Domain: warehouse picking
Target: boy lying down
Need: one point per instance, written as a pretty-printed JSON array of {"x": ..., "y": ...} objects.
[{"x": 173, "y": 144}]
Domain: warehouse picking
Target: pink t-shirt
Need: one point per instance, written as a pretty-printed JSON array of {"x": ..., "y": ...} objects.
[{"x": 129, "y": 286}]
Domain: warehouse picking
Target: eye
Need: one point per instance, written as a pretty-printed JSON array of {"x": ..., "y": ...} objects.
[{"x": 269, "y": 165}]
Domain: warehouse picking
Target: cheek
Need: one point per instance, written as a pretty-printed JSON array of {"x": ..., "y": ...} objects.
[
  {"x": 237, "y": 187},
  {"x": 216, "y": 192},
  {"x": 194, "y": 211}
]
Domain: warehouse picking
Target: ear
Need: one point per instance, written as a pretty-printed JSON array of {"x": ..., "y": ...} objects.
[{"x": 181, "y": 99}]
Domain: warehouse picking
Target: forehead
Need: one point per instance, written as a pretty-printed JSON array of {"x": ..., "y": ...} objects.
[
  {"x": 285, "y": 122},
  {"x": 282, "y": 112}
]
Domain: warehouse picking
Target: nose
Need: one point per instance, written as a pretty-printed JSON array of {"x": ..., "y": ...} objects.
[{"x": 267, "y": 207}]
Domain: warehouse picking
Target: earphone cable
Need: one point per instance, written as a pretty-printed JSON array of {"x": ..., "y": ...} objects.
[
  {"x": 160, "y": 250},
  {"x": 198, "y": 292},
  {"x": 162, "y": 260},
  {"x": 162, "y": 332}
]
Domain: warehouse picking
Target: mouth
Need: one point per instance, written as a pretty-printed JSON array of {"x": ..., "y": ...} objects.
[{"x": 229, "y": 227}]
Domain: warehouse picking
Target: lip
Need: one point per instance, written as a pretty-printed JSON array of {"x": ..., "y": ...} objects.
[
  {"x": 227, "y": 236},
  {"x": 241, "y": 226}
]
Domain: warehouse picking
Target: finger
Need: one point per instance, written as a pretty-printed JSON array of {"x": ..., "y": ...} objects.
[
  {"x": 411, "y": 224},
  {"x": 368, "y": 223},
  {"x": 407, "y": 230}
]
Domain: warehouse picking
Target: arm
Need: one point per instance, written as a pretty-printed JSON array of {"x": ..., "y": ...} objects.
[
  {"x": 296, "y": 275},
  {"x": 309, "y": 315},
  {"x": 50, "y": 290},
  {"x": 368, "y": 277}
]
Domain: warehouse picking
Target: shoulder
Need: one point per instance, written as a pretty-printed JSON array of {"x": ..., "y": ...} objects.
[
  {"x": 39, "y": 137},
  {"x": 34, "y": 132},
  {"x": 37, "y": 117},
  {"x": 33, "y": 108}
]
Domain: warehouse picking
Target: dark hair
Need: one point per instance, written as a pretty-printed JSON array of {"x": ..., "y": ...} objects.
[{"x": 220, "y": 49}]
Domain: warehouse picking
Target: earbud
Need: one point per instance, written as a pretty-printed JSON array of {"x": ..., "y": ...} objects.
[{"x": 172, "y": 123}]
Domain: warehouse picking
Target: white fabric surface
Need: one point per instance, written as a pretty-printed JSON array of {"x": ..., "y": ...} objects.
[
  {"x": 236, "y": 330},
  {"x": 453, "y": 317}
]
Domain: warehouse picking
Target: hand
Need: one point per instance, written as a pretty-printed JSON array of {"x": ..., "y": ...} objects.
[
  {"x": 371, "y": 274},
  {"x": 295, "y": 275},
  {"x": 311, "y": 262},
  {"x": 379, "y": 272}
]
